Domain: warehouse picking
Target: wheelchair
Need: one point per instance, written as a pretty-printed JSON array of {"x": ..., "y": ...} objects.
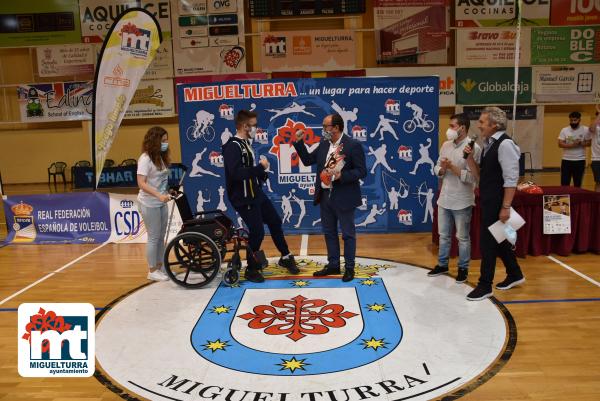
[{"x": 193, "y": 258}]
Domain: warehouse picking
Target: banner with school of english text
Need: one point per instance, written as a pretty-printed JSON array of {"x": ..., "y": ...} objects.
[
  {"x": 395, "y": 120},
  {"x": 77, "y": 218}
]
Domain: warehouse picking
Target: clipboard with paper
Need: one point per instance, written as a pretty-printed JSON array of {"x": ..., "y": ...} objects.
[{"x": 498, "y": 229}]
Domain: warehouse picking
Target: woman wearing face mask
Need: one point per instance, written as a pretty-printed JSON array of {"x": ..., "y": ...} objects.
[
  {"x": 459, "y": 176},
  {"x": 152, "y": 179}
]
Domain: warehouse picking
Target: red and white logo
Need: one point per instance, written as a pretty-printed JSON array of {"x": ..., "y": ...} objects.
[
  {"x": 405, "y": 153},
  {"x": 216, "y": 159},
  {"x": 262, "y": 136},
  {"x": 405, "y": 217},
  {"x": 392, "y": 107},
  {"x": 226, "y": 111},
  {"x": 359, "y": 133}
]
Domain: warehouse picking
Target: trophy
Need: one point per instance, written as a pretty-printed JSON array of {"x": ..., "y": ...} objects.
[{"x": 334, "y": 164}]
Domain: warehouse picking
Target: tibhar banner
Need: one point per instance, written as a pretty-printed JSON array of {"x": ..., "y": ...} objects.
[
  {"x": 492, "y": 85},
  {"x": 577, "y": 84},
  {"x": 574, "y": 12},
  {"x": 482, "y": 47},
  {"x": 447, "y": 77},
  {"x": 59, "y": 101},
  {"x": 493, "y": 13},
  {"x": 208, "y": 37},
  {"x": 130, "y": 46},
  {"x": 565, "y": 45},
  {"x": 308, "y": 51},
  {"x": 396, "y": 120},
  {"x": 411, "y": 31}
]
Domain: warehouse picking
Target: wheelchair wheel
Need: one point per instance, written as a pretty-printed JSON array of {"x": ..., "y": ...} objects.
[
  {"x": 231, "y": 276},
  {"x": 192, "y": 259}
]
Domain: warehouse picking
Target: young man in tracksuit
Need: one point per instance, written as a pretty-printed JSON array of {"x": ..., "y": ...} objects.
[{"x": 244, "y": 179}]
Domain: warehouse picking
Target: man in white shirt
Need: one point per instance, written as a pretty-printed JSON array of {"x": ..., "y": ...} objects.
[
  {"x": 459, "y": 177},
  {"x": 573, "y": 140},
  {"x": 595, "y": 143}
]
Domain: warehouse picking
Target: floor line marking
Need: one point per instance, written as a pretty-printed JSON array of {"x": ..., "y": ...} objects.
[
  {"x": 304, "y": 245},
  {"x": 47, "y": 276},
  {"x": 591, "y": 280}
]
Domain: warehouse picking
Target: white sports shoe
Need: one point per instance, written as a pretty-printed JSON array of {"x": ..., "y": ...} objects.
[{"x": 157, "y": 275}]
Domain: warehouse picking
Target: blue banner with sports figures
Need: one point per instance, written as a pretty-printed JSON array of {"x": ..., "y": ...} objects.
[{"x": 396, "y": 120}]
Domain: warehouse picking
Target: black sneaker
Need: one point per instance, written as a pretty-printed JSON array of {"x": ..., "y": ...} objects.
[
  {"x": 289, "y": 263},
  {"x": 254, "y": 276},
  {"x": 348, "y": 275},
  {"x": 327, "y": 271},
  {"x": 479, "y": 294},
  {"x": 437, "y": 271},
  {"x": 461, "y": 277},
  {"x": 509, "y": 283}
]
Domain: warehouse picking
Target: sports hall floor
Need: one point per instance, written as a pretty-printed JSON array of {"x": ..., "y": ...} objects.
[{"x": 557, "y": 311}]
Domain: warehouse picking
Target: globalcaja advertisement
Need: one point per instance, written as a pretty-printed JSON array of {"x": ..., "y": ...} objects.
[
  {"x": 492, "y": 85},
  {"x": 395, "y": 120}
]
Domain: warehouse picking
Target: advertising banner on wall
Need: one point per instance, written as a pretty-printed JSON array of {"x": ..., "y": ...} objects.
[
  {"x": 61, "y": 60},
  {"x": 574, "y": 12},
  {"x": 58, "y": 218},
  {"x": 59, "y": 101},
  {"x": 97, "y": 16},
  {"x": 411, "y": 31},
  {"x": 447, "y": 77},
  {"x": 395, "y": 120},
  {"x": 48, "y": 22},
  {"x": 77, "y": 218},
  {"x": 308, "y": 50},
  {"x": 479, "y": 13},
  {"x": 208, "y": 37},
  {"x": 64, "y": 101},
  {"x": 129, "y": 48},
  {"x": 565, "y": 45},
  {"x": 492, "y": 85},
  {"x": 577, "y": 84},
  {"x": 483, "y": 47},
  {"x": 153, "y": 98}
]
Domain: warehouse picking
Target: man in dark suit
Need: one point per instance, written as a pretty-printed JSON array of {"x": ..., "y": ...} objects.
[
  {"x": 244, "y": 179},
  {"x": 337, "y": 191}
]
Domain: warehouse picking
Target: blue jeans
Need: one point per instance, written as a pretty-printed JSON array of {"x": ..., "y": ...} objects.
[
  {"x": 155, "y": 221},
  {"x": 447, "y": 219}
]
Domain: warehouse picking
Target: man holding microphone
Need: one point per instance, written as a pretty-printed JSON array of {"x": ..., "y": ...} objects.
[{"x": 340, "y": 164}]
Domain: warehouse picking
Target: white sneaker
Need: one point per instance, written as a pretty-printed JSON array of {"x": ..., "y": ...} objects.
[{"x": 157, "y": 275}]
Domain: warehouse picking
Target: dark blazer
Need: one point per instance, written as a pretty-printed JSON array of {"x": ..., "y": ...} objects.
[
  {"x": 345, "y": 192},
  {"x": 243, "y": 180}
]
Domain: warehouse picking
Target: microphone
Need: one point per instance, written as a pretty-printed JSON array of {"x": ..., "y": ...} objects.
[{"x": 465, "y": 154}]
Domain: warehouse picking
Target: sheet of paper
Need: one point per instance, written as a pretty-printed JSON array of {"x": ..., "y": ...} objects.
[{"x": 497, "y": 229}]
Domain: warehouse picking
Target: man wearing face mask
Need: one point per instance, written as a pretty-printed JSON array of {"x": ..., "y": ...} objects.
[
  {"x": 244, "y": 180},
  {"x": 457, "y": 197},
  {"x": 573, "y": 140},
  {"x": 337, "y": 191}
]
